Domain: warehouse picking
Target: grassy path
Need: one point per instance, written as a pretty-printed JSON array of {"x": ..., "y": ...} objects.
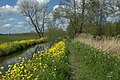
[
  {"x": 73, "y": 62},
  {"x": 73, "y": 67},
  {"x": 88, "y": 63}
]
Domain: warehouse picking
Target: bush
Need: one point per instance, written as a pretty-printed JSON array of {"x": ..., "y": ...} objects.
[{"x": 54, "y": 34}]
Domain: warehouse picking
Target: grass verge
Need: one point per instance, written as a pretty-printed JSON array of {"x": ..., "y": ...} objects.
[
  {"x": 91, "y": 63},
  {"x": 12, "y": 47}
]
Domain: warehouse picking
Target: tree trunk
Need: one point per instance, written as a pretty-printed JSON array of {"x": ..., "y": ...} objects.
[
  {"x": 35, "y": 26},
  {"x": 43, "y": 23},
  {"x": 82, "y": 18}
]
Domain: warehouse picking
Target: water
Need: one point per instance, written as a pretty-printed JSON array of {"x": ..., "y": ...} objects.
[{"x": 12, "y": 59}]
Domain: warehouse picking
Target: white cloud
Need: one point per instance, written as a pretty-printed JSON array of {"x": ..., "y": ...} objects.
[
  {"x": 22, "y": 23},
  {"x": 6, "y": 26},
  {"x": 11, "y": 19},
  {"x": 43, "y": 2},
  {"x": 7, "y": 20},
  {"x": 55, "y": 7},
  {"x": 8, "y": 9},
  {"x": 27, "y": 19}
]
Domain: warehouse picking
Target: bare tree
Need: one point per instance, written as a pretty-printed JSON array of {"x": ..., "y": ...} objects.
[{"x": 36, "y": 12}]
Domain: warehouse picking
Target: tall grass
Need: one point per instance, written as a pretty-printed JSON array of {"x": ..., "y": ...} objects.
[
  {"x": 92, "y": 63},
  {"x": 11, "y": 47},
  {"x": 109, "y": 44}
]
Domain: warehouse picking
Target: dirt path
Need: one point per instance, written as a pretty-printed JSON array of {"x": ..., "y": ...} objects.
[{"x": 73, "y": 67}]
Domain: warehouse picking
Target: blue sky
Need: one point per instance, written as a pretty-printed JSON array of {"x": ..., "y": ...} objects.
[
  {"x": 11, "y": 21},
  {"x": 9, "y": 2}
]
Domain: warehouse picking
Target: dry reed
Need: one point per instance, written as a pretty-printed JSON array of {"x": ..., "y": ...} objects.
[{"x": 109, "y": 44}]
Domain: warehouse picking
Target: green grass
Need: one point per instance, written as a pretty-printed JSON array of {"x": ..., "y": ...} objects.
[
  {"x": 13, "y": 37},
  {"x": 88, "y": 63},
  {"x": 12, "y": 47}
]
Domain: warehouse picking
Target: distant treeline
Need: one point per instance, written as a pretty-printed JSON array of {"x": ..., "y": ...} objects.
[{"x": 108, "y": 29}]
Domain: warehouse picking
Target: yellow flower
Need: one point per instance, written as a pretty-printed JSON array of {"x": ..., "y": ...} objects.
[
  {"x": 28, "y": 77},
  {"x": 9, "y": 66},
  {"x": 22, "y": 67},
  {"x": 2, "y": 68},
  {"x": 43, "y": 70},
  {"x": 53, "y": 61},
  {"x": 54, "y": 53},
  {"x": 35, "y": 69},
  {"x": 0, "y": 72},
  {"x": 54, "y": 69},
  {"x": 25, "y": 70},
  {"x": 36, "y": 79}
]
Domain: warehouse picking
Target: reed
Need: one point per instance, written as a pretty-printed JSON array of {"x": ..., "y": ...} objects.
[{"x": 109, "y": 44}]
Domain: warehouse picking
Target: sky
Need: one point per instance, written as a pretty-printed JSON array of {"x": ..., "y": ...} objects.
[{"x": 11, "y": 21}]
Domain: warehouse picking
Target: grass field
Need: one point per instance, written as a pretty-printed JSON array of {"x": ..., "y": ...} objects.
[
  {"x": 14, "y": 37},
  {"x": 88, "y": 63}
]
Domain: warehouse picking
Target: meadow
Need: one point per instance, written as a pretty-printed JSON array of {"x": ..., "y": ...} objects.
[{"x": 13, "y": 37}]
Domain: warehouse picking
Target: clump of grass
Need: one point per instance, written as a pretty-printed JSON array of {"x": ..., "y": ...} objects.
[
  {"x": 11, "y": 47},
  {"x": 48, "y": 65},
  {"x": 92, "y": 63},
  {"x": 109, "y": 44}
]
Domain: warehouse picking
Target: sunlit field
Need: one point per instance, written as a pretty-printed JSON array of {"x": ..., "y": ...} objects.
[
  {"x": 13, "y": 37},
  {"x": 48, "y": 65}
]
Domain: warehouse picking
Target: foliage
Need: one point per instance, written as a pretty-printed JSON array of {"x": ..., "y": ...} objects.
[
  {"x": 92, "y": 63},
  {"x": 90, "y": 16},
  {"x": 109, "y": 29},
  {"x": 11, "y": 47},
  {"x": 48, "y": 65},
  {"x": 54, "y": 33}
]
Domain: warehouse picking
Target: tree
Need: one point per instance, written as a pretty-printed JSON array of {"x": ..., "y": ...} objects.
[
  {"x": 36, "y": 12},
  {"x": 97, "y": 12},
  {"x": 83, "y": 14},
  {"x": 72, "y": 14}
]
